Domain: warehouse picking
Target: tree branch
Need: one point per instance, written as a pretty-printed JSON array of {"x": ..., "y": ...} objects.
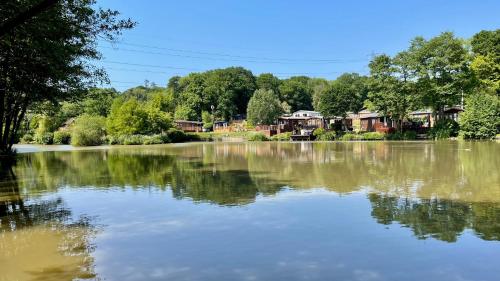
[{"x": 25, "y": 16}]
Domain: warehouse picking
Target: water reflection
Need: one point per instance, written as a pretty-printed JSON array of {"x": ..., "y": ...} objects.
[
  {"x": 438, "y": 218},
  {"x": 235, "y": 173},
  {"x": 38, "y": 238},
  {"x": 438, "y": 190}
]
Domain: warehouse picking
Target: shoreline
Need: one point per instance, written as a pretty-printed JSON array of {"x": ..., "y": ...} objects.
[{"x": 33, "y": 148}]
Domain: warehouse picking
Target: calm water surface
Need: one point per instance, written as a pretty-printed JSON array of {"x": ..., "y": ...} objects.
[{"x": 254, "y": 211}]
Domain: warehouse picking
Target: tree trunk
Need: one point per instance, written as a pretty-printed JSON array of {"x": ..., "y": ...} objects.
[
  {"x": 15, "y": 127},
  {"x": 2, "y": 108}
]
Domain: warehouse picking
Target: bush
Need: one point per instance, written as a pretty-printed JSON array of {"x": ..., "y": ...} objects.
[
  {"x": 175, "y": 135},
  {"x": 410, "y": 135},
  {"x": 193, "y": 137},
  {"x": 318, "y": 132},
  {"x": 27, "y": 138},
  {"x": 258, "y": 137},
  {"x": 88, "y": 130},
  {"x": 395, "y": 136},
  {"x": 373, "y": 136},
  {"x": 327, "y": 136},
  {"x": 62, "y": 137},
  {"x": 481, "y": 117},
  {"x": 282, "y": 137},
  {"x": 349, "y": 137},
  {"x": 202, "y": 136},
  {"x": 133, "y": 140},
  {"x": 443, "y": 129},
  {"x": 45, "y": 138}
]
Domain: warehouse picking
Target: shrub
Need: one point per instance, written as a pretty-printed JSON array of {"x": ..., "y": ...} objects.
[
  {"x": 45, "y": 138},
  {"x": 443, "y": 129},
  {"x": 350, "y": 136},
  {"x": 207, "y": 119},
  {"x": 62, "y": 137},
  {"x": 133, "y": 139},
  {"x": 282, "y": 137},
  {"x": 481, "y": 117},
  {"x": 27, "y": 138},
  {"x": 88, "y": 130},
  {"x": 257, "y": 137},
  {"x": 410, "y": 135},
  {"x": 318, "y": 132},
  {"x": 202, "y": 136},
  {"x": 175, "y": 135},
  {"x": 327, "y": 136},
  {"x": 373, "y": 136},
  {"x": 395, "y": 136}
]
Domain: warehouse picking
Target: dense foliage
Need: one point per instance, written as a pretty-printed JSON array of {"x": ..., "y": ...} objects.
[
  {"x": 481, "y": 117},
  {"x": 263, "y": 108},
  {"x": 49, "y": 58},
  {"x": 88, "y": 130},
  {"x": 430, "y": 74}
]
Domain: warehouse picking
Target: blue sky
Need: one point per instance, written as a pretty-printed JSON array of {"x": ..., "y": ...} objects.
[{"x": 314, "y": 38}]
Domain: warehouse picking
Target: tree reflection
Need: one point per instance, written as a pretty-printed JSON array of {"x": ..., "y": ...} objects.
[
  {"x": 445, "y": 186},
  {"x": 39, "y": 239},
  {"x": 441, "y": 219}
]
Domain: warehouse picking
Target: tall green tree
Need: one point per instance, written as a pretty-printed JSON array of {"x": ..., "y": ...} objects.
[
  {"x": 231, "y": 88},
  {"x": 296, "y": 92},
  {"x": 392, "y": 88},
  {"x": 49, "y": 57},
  {"x": 343, "y": 95},
  {"x": 317, "y": 85},
  {"x": 486, "y": 62},
  {"x": 264, "y": 108},
  {"x": 441, "y": 65},
  {"x": 267, "y": 81},
  {"x": 481, "y": 118}
]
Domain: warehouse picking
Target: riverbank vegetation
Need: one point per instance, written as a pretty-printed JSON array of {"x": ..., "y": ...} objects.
[
  {"x": 46, "y": 57},
  {"x": 48, "y": 96}
]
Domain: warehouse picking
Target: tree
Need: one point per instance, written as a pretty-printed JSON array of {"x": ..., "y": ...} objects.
[
  {"x": 127, "y": 118},
  {"x": 441, "y": 68},
  {"x": 392, "y": 90},
  {"x": 99, "y": 101},
  {"x": 88, "y": 130},
  {"x": 158, "y": 120},
  {"x": 317, "y": 85},
  {"x": 263, "y": 108},
  {"x": 189, "y": 108},
  {"x": 49, "y": 57},
  {"x": 481, "y": 118},
  {"x": 174, "y": 84},
  {"x": 267, "y": 81},
  {"x": 296, "y": 93},
  {"x": 486, "y": 62},
  {"x": 343, "y": 95},
  {"x": 229, "y": 90}
]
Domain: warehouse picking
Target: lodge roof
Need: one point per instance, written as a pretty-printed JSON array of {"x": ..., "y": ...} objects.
[{"x": 189, "y": 122}]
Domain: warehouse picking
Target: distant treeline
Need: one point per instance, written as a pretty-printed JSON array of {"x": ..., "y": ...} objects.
[{"x": 432, "y": 74}]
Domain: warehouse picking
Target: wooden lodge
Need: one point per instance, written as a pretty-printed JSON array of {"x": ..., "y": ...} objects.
[
  {"x": 300, "y": 123},
  {"x": 222, "y": 127},
  {"x": 189, "y": 126}
]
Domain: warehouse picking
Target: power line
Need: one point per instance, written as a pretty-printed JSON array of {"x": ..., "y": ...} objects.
[
  {"x": 234, "y": 56},
  {"x": 150, "y": 65},
  {"x": 197, "y": 69},
  {"x": 232, "y": 60},
  {"x": 275, "y": 73}
]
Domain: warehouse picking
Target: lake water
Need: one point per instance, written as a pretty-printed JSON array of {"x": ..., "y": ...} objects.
[{"x": 254, "y": 211}]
